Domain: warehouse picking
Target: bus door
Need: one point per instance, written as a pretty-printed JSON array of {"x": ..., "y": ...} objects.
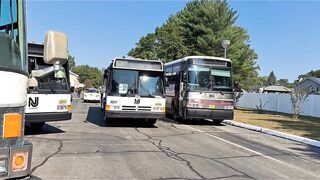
[{"x": 181, "y": 88}]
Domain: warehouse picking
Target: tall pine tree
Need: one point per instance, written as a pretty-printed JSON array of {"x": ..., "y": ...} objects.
[{"x": 199, "y": 29}]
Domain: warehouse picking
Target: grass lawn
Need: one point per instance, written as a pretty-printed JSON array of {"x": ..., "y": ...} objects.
[{"x": 308, "y": 127}]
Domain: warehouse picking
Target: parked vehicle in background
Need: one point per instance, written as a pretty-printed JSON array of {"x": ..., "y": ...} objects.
[
  {"x": 91, "y": 95},
  {"x": 134, "y": 88},
  {"x": 15, "y": 151},
  {"x": 49, "y": 95},
  {"x": 199, "y": 87}
]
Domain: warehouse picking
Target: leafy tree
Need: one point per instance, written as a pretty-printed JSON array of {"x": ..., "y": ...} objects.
[
  {"x": 272, "y": 79},
  {"x": 312, "y": 73},
  {"x": 90, "y": 76},
  {"x": 146, "y": 48},
  {"x": 198, "y": 29},
  {"x": 71, "y": 61},
  {"x": 285, "y": 82}
]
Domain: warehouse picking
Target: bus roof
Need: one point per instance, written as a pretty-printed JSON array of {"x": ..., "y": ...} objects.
[
  {"x": 197, "y": 57},
  {"x": 35, "y": 49},
  {"x": 137, "y": 64}
]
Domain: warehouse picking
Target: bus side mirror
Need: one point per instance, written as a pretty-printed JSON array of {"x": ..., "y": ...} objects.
[
  {"x": 55, "y": 48},
  {"x": 105, "y": 74}
]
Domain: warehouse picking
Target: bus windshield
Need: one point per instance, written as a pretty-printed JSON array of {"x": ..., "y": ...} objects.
[
  {"x": 133, "y": 82},
  {"x": 51, "y": 82},
  {"x": 9, "y": 49},
  {"x": 209, "y": 78}
]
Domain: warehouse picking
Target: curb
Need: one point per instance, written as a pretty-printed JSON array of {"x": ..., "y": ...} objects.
[{"x": 271, "y": 132}]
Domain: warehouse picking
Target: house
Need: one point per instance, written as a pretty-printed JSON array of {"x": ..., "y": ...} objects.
[
  {"x": 311, "y": 84},
  {"x": 74, "y": 81},
  {"x": 276, "y": 89}
]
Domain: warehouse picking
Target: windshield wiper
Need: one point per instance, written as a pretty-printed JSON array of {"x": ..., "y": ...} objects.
[
  {"x": 147, "y": 91},
  {"x": 53, "y": 91},
  {"x": 130, "y": 89}
]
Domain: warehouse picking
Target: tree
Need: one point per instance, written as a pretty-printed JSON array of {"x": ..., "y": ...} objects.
[
  {"x": 198, "y": 29},
  {"x": 312, "y": 73},
  {"x": 71, "y": 61},
  {"x": 90, "y": 76},
  {"x": 285, "y": 83},
  {"x": 298, "y": 97},
  {"x": 272, "y": 79}
]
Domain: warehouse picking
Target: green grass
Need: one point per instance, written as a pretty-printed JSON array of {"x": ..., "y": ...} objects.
[{"x": 308, "y": 127}]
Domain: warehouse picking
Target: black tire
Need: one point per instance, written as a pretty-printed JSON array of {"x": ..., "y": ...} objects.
[
  {"x": 217, "y": 122},
  {"x": 151, "y": 122},
  {"x": 37, "y": 126}
]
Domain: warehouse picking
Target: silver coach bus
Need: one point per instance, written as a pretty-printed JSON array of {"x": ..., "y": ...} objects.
[{"x": 199, "y": 87}]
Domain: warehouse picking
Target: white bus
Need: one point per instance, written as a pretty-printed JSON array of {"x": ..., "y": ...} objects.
[
  {"x": 49, "y": 95},
  {"x": 199, "y": 87},
  {"x": 134, "y": 88},
  {"x": 15, "y": 151}
]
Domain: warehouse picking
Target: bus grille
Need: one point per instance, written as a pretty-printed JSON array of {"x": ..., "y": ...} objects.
[
  {"x": 129, "y": 108},
  {"x": 136, "y": 108},
  {"x": 144, "y": 108}
]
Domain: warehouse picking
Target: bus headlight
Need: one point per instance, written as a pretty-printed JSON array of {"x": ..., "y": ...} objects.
[
  {"x": 112, "y": 107},
  {"x": 62, "y": 107},
  {"x": 228, "y": 107},
  {"x": 12, "y": 125},
  {"x": 162, "y": 109}
]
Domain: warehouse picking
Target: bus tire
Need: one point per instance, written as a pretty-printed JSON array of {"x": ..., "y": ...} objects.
[
  {"x": 151, "y": 122},
  {"x": 37, "y": 126},
  {"x": 217, "y": 121}
]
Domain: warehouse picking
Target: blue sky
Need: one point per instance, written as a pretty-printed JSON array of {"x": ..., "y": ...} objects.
[{"x": 286, "y": 35}]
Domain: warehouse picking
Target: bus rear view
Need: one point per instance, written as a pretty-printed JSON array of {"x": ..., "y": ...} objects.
[
  {"x": 134, "y": 89},
  {"x": 200, "y": 87}
]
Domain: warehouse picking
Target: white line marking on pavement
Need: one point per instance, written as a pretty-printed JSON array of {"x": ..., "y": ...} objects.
[
  {"x": 242, "y": 147},
  {"x": 253, "y": 151}
]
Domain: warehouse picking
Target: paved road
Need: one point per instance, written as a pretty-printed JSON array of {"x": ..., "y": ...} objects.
[{"x": 88, "y": 148}]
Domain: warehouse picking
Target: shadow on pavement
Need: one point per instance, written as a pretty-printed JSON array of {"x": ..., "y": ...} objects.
[
  {"x": 95, "y": 116},
  {"x": 199, "y": 122},
  {"x": 310, "y": 151},
  {"x": 47, "y": 129}
]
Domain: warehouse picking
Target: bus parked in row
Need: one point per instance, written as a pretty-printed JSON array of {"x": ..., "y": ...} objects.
[
  {"x": 134, "y": 88},
  {"x": 49, "y": 95},
  {"x": 199, "y": 87},
  {"x": 15, "y": 150}
]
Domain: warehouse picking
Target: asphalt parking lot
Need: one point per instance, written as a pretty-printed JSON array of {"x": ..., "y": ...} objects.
[{"x": 87, "y": 147}]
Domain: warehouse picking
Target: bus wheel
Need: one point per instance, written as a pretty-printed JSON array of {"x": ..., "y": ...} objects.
[
  {"x": 217, "y": 121},
  {"x": 37, "y": 126},
  {"x": 151, "y": 122}
]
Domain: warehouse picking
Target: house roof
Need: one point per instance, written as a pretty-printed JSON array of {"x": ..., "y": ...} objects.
[
  {"x": 277, "y": 88},
  {"x": 315, "y": 79}
]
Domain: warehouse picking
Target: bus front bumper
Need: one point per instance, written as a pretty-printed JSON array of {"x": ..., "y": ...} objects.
[
  {"x": 215, "y": 114},
  {"x": 46, "y": 117},
  {"x": 135, "y": 115},
  {"x": 15, "y": 161}
]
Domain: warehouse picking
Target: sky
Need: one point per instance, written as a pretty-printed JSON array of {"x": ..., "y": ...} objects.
[{"x": 284, "y": 34}]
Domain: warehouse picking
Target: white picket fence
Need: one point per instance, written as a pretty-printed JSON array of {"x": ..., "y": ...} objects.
[{"x": 279, "y": 103}]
